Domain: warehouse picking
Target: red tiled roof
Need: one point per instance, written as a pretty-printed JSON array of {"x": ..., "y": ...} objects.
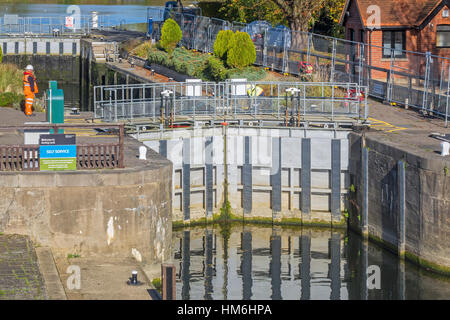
[{"x": 396, "y": 13}]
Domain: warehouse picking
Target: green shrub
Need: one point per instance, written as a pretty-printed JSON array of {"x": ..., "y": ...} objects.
[
  {"x": 1, "y": 55},
  {"x": 242, "y": 52},
  {"x": 170, "y": 35},
  {"x": 157, "y": 284},
  {"x": 11, "y": 78},
  {"x": 143, "y": 49},
  {"x": 223, "y": 44},
  {"x": 10, "y": 99},
  {"x": 215, "y": 69}
]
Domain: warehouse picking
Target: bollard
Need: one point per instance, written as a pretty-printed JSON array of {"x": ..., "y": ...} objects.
[
  {"x": 168, "y": 278},
  {"x": 445, "y": 149},
  {"x": 142, "y": 153},
  {"x": 133, "y": 281}
]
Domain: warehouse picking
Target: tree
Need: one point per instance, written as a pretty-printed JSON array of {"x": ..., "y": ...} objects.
[
  {"x": 298, "y": 15},
  {"x": 170, "y": 35},
  {"x": 299, "y": 12},
  {"x": 223, "y": 44},
  {"x": 246, "y": 11},
  {"x": 242, "y": 52},
  {"x": 326, "y": 21}
]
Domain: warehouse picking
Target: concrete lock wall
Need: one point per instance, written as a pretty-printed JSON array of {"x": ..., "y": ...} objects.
[
  {"x": 273, "y": 174},
  {"x": 111, "y": 212},
  {"x": 40, "y": 46},
  {"x": 401, "y": 201}
]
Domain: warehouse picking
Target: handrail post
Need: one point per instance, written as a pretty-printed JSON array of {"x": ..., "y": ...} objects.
[{"x": 121, "y": 144}]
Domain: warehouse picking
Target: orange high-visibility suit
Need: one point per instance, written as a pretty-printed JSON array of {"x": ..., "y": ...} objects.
[{"x": 29, "y": 89}]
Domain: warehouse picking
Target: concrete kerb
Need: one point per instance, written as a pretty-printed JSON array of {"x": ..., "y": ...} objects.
[{"x": 52, "y": 280}]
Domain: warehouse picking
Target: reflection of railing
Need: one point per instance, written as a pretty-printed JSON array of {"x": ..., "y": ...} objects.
[
  {"x": 231, "y": 98},
  {"x": 89, "y": 156}
]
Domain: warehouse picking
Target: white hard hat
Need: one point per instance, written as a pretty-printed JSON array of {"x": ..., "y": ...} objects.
[{"x": 29, "y": 67}]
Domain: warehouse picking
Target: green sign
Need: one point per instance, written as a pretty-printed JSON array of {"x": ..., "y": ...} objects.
[
  {"x": 57, "y": 152},
  {"x": 55, "y": 164}
]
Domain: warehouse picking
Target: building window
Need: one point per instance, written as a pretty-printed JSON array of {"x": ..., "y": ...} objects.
[
  {"x": 351, "y": 34},
  {"x": 394, "y": 40},
  {"x": 361, "y": 36},
  {"x": 443, "y": 36}
]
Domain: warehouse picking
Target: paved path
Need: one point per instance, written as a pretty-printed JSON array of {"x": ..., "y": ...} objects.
[
  {"x": 407, "y": 129},
  {"x": 20, "y": 278},
  {"x": 102, "y": 278}
]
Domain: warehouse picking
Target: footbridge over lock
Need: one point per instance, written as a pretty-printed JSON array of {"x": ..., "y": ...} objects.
[
  {"x": 280, "y": 103},
  {"x": 279, "y": 155}
]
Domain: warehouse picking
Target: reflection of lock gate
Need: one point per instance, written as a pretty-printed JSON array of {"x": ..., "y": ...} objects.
[{"x": 305, "y": 67}]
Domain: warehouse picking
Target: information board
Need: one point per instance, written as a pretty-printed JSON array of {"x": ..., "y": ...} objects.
[{"x": 58, "y": 152}]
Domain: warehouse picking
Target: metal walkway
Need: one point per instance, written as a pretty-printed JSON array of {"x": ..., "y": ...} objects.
[{"x": 290, "y": 102}]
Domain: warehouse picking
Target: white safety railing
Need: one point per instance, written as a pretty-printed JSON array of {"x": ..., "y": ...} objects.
[{"x": 232, "y": 98}]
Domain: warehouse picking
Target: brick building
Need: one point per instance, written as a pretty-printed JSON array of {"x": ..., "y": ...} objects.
[{"x": 392, "y": 26}]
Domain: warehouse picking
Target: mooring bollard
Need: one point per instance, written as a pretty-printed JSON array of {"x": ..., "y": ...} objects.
[
  {"x": 168, "y": 277},
  {"x": 142, "y": 153},
  {"x": 133, "y": 281},
  {"x": 445, "y": 149}
]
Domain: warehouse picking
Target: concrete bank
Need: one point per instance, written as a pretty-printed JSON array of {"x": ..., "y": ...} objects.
[
  {"x": 104, "y": 211},
  {"x": 401, "y": 199}
]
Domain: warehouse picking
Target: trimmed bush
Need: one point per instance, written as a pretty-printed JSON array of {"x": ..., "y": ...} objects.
[
  {"x": 223, "y": 44},
  {"x": 170, "y": 35},
  {"x": 215, "y": 69},
  {"x": 242, "y": 52}
]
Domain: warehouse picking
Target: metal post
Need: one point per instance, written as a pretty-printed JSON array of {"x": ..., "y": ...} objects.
[
  {"x": 425, "y": 83},
  {"x": 390, "y": 77},
  {"x": 168, "y": 277},
  {"x": 309, "y": 47},
  {"x": 402, "y": 208},
  {"x": 285, "y": 55},
  {"x": 441, "y": 81},
  {"x": 115, "y": 105},
  {"x": 332, "y": 102},
  {"x": 333, "y": 61},
  {"x": 121, "y": 146},
  {"x": 447, "y": 93},
  {"x": 360, "y": 65},
  {"x": 264, "y": 49}
]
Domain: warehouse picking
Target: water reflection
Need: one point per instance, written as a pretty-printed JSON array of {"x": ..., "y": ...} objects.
[{"x": 245, "y": 262}]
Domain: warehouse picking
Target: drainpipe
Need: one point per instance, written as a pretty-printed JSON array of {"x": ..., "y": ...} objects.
[{"x": 370, "y": 54}]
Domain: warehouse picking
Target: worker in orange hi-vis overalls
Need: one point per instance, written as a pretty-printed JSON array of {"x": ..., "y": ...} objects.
[{"x": 29, "y": 89}]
